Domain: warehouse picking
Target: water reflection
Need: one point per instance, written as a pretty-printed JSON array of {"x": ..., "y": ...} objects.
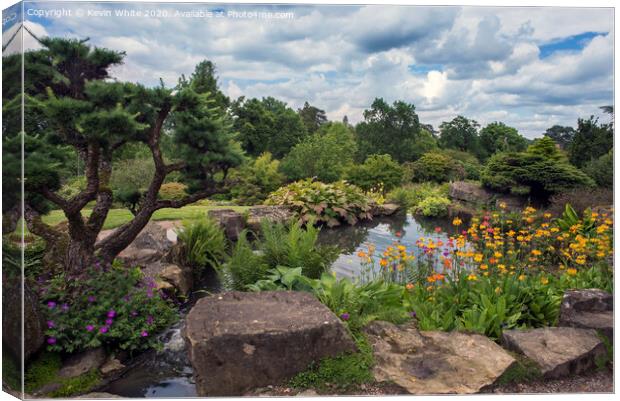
[{"x": 382, "y": 233}]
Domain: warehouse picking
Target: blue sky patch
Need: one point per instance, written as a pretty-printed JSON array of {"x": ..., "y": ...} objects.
[
  {"x": 568, "y": 44},
  {"x": 425, "y": 68}
]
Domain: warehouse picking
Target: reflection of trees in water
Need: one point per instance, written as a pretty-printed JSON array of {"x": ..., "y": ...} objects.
[{"x": 348, "y": 238}]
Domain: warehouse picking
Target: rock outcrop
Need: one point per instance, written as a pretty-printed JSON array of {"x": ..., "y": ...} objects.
[
  {"x": 12, "y": 318},
  {"x": 239, "y": 341},
  {"x": 558, "y": 351},
  {"x": 78, "y": 364},
  {"x": 435, "y": 362},
  {"x": 471, "y": 195},
  {"x": 588, "y": 309}
]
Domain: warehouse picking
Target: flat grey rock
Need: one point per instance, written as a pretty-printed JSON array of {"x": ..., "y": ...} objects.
[
  {"x": 558, "y": 351},
  {"x": 435, "y": 362}
]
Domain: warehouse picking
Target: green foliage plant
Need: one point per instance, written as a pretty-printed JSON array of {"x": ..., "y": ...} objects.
[
  {"x": 321, "y": 203},
  {"x": 251, "y": 183},
  {"x": 377, "y": 172},
  {"x": 203, "y": 244}
]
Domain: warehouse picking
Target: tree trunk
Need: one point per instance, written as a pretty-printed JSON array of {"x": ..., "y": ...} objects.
[{"x": 79, "y": 257}]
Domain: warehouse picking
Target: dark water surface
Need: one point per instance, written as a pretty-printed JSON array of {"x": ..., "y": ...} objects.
[{"x": 168, "y": 373}]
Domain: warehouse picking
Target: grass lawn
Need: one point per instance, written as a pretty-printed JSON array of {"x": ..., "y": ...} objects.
[{"x": 117, "y": 217}]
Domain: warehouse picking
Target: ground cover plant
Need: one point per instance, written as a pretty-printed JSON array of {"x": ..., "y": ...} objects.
[{"x": 322, "y": 203}]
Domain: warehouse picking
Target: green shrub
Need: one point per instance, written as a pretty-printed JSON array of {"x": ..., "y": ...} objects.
[
  {"x": 343, "y": 372},
  {"x": 433, "y": 206},
  {"x": 323, "y": 155},
  {"x": 601, "y": 170},
  {"x": 377, "y": 172},
  {"x": 357, "y": 304},
  {"x": 203, "y": 244},
  {"x": 251, "y": 183},
  {"x": 434, "y": 166},
  {"x": 295, "y": 246},
  {"x": 110, "y": 306},
  {"x": 173, "y": 191},
  {"x": 411, "y": 195},
  {"x": 317, "y": 202},
  {"x": 278, "y": 247},
  {"x": 540, "y": 172},
  {"x": 244, "y": 267},
  {"x": 73, "y": 186}
]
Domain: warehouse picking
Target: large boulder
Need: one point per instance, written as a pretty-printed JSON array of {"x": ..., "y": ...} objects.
[
  {"x": 12, "y": 318},
  {"x": 274, "y": 214},
  {"x": 239, "y": 341},
  {"x": 83, "y": 362},
  {"x": 153, "y": 244},
  {"x": 386, "y": 209},
  {"x": 435, "y": 362},
  {"x": 230, "y": 221},
  {"x": 558, "y": 351},
  {"x": 472, "y": 194},
  {"x": 589, "y": 309}
]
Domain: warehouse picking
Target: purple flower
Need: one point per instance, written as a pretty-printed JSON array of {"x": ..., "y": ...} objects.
[
  {"x": 90, "y": 327},
  {"x": 51, "y": 304},
  {"x": 91, "y": 298},
  {"x": 412, "y": 314},
  {"x": 109, "y": 321},
  {"x": 345, "y": 316},
  {"x": 103, "y": 329},
  {"x": 111, "y": 313},
  {"x": 149, "y": 319},
  {"x": 50, "y": 324},
  {"x": 126, "y": 298},
  {"x": 51, "y": 340},
  {"x": 65, "y": 307},
  {"x": 149, "y": 294},
  {"x": 134, "y": 313},
  {"x": 144, "y": 333}
]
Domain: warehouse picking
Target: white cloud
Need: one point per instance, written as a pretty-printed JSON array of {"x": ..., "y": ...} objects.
[{"x": 480, "y": 62}]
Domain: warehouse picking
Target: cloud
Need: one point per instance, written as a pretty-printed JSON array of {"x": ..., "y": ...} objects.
[{"x": 482, "y": 62}]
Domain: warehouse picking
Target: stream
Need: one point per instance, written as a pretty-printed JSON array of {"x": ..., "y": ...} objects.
[{"x": 168, "y": 372}]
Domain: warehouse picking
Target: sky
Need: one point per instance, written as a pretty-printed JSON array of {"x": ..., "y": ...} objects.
[{"x": 530, "y": 68}]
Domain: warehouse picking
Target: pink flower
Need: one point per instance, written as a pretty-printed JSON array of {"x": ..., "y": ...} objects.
[
  {"x": 51, "y": 340},
  {"x": 90, "y": 327},
  {"x": 111, "y": 313},
  {"x": 91, "y": 298},
  {"x": 144, "y": 333},
  {"x": 51, "y": 304},
  {"x": 109, "y": 322},
  {"x": 103, "y": 329},
  {"x": 438, "y": 229},
  {"x": 50, "y": 324}
]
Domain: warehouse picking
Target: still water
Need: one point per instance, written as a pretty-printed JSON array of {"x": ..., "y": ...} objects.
[{"x": 168, "y": 373}]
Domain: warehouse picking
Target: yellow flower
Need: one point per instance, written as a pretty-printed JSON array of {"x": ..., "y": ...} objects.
[
  {"x": 472, "y": 277},
  {"x": 409, "y": 286},
  {"x": 361, "y": 254},
  {"x": 571, "y": 271},
  {"x": 402, "y": 248},
  {"x": 498, "y": 255},
  {"x": 457, "y": 222},
  {"x": 544, "y": 280},
  {"x": 383, "y": 262},
  {"x": 536, "y": 252},
  {"x": 522, "y": 277},
  {"x": 498, "y": 290},
  {"x": 547, "y": 215},
  {"x": 502, "y": 205},
  {"x": 484, "y": 267}
]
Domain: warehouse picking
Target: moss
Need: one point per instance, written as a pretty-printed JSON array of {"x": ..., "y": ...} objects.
[
  {"x": 77, "y": 385},
  {"x": 523, "y": 370},
  {"x": 42, "y": 371},
  {"x": 342, "y": 373}
]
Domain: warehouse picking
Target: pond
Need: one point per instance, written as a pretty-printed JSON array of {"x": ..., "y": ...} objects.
[
  {"x": 168, "y": 373},
  {"x": 383, "y": 233}
]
